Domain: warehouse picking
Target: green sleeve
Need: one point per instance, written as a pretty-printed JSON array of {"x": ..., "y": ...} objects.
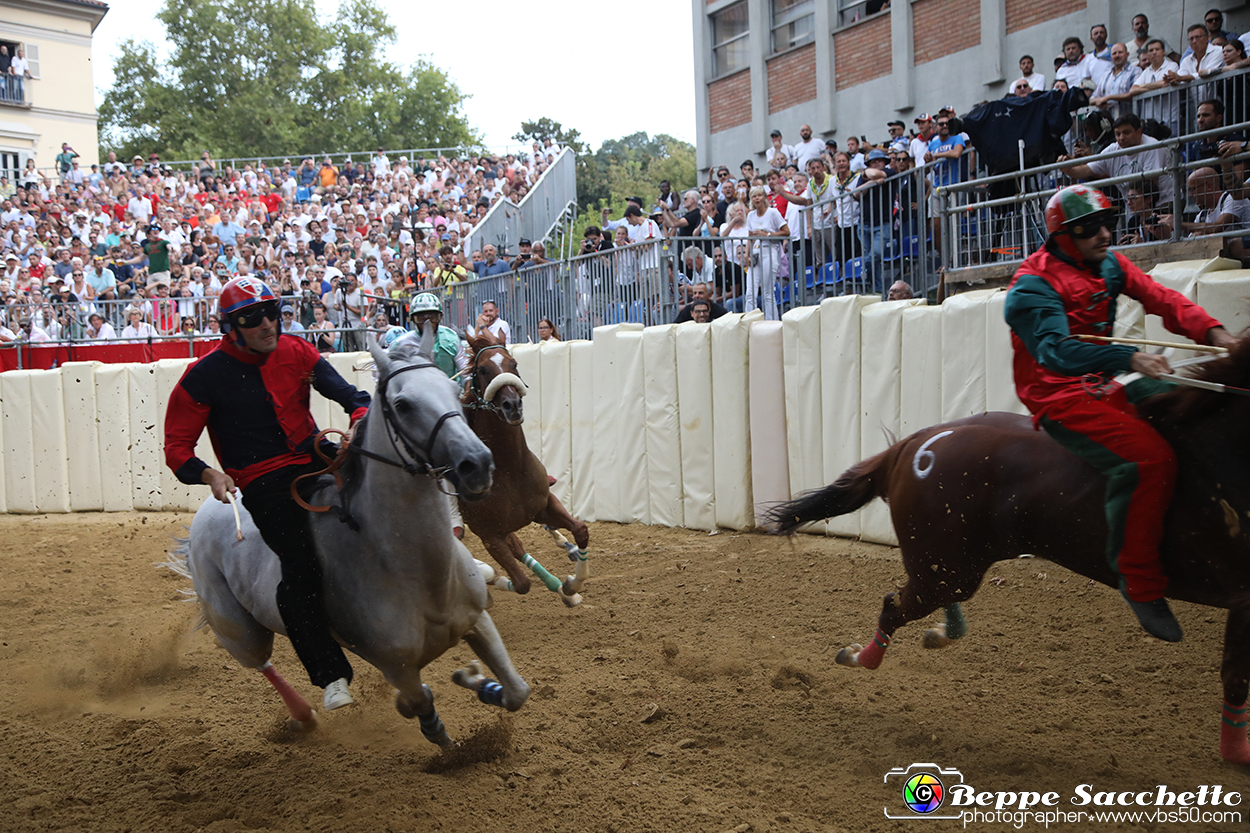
[{"x": 1035, "y": 313}]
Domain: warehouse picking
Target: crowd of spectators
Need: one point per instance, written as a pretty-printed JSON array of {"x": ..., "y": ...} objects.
[
  {"x": 137, "y": 250},
  {"x": 856, "y": 208}
]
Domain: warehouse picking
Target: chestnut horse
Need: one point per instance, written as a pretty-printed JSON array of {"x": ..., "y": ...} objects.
[
  {"x": 968, "y": 493},
  {"x": 521, "y": 493}
]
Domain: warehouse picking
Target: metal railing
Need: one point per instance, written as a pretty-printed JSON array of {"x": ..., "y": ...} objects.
[
  {"x": 14, "y": 90},
  {"x": 1177, "y": 106},
  {"x": 1001, "y": 218},
  {"x": 538, "y": 212}
]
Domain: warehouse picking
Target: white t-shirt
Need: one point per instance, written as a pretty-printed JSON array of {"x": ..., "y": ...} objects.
[
  {"x": 500, "y": 327},
  {"x": 771, "y": 222},
  {"x": 796, "y": 215},
  {"x": 1147, "y": 161},
  {"x": 771, "y": 152},
  {"x": 1163, "y": 107},
  {"x": 804, "y": 152},
  {"x": 1227, "y": 205},
  {"x": 106, "y": 332},
  {"x": 1037, "y": 81},
  {"x": 1074, "y": 74}
]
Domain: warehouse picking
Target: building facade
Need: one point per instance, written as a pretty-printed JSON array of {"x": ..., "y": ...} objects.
[
  {"x": 57, "y": 103},
  {"x": 846, "y": 67}
]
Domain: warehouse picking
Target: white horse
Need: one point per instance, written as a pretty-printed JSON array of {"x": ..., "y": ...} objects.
[{"x": 400, "y": 590}]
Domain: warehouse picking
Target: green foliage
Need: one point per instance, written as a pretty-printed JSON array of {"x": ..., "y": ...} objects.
[{"x": 268, "y": 77}]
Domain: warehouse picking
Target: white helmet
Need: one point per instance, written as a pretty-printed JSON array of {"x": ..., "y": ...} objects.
[{"x": 425, "y": 302}]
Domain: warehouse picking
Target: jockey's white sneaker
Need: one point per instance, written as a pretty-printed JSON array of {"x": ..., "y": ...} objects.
[{"x": 337, "y": 695}]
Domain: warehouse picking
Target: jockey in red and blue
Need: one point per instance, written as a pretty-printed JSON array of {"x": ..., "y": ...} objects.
[
  {"x": 1070, "y": 287},
  {"x": 252, "y": 395}
]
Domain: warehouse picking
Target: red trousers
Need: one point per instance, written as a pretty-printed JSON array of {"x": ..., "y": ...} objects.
[{"x": 1140, "y": 468}]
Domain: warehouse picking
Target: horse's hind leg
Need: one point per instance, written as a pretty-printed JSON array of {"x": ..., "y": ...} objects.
[
  {"x": 302, "y": 716},
  {"x": 555, "y": 517},
  {"x": 511, "y": 691},
  {"x": 501, "y": 550},
  {"x": 1235, "y": 672},
  {"x": 414, "y": 698},
  {"x": 953, "y": 628},
  {"x": 922, "y": 595}
]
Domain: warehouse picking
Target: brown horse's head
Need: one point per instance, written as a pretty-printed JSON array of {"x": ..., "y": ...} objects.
[{"x": 494, "y": 382}]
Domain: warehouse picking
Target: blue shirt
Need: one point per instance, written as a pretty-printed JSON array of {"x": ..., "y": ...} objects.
[
  {"x": 228, "y": 233},
  {"x": 496, "y": 268},
  {"x": 946, "y": 171}
]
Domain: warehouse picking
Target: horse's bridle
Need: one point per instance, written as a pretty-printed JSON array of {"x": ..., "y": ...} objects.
[
  {"x": 420, "y": 459},
  {"x": 478, "y": 402}
]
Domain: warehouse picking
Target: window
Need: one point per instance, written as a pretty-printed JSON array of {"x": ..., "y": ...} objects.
[
  {"x": 32, "y": 58},
  {"x": 793, "y": 23},
  {"x": 850, "y": 11},
  {"x": 730, "y": 39}
]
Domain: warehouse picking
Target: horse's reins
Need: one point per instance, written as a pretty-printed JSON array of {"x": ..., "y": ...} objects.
[
  {"x": 420, "y": 460},
  {"x": 1183, "y": 381}
]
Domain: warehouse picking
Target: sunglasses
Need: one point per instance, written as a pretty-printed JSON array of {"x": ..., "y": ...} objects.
[
  {"x": 1091, "y": 227},
  {"x": 255, "y": 315}
]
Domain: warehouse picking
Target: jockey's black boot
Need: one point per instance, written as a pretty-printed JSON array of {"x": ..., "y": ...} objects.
[{"x": 1156, "y": 617}]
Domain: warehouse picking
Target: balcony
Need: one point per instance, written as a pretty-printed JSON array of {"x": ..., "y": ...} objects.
[{"x": 15, "y": 92}]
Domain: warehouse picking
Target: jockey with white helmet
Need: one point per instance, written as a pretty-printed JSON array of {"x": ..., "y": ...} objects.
[{"x": 449, "y": 352}]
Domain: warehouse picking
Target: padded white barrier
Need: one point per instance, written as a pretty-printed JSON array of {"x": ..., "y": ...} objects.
[
  {"x": 663, "y": 425},
  {"x": 1183, "y": 277},
  {"x": 731, "y": 418},
  {"x": 1226, "y": 295},
  {"x": 1000, "y": 384},
  {"x": 770, "y": 468},
  {"x": 112, "y": 402},
  {"x": 555, "y": 393},
  {"x": 345, "y": 364},
  {"x": 607, "y": 395},
  {"x": 800, "y": 332},
  {"x": 963, "y": 354},
  {"x": 582, "y": 430},
  {"x": 47, "y": 418},
  {"x": 176, "y": 495},
  {"x": 16, "y": 412},
  {"x": 631, "y": 427},
  {"x": 920, "y": 370},
  {"x": 530, "y": 369},
  {"x": 147, "y": 446},
  {"x": 82, "y": 436},
  {"x": 880, "y": 375},
  {"x": 840, "y": 393},
  {"x": 698, "y": 447}
]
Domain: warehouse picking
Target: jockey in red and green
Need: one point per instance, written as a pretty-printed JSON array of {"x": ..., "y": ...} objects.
[{"x": 1070, "y": 287}]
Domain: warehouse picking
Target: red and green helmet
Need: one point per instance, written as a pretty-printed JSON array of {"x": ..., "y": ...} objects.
[{"x": 1076, "y": 202}]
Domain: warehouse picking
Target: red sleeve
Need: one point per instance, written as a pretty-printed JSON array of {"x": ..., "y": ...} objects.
[
  {"x": 1180, "y": 315},
  {"x": 185, "y": 419}
]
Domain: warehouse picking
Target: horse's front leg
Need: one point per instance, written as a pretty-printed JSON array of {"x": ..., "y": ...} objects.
[
  {"x": 555, "y": 517},
  {"x": 500, "y": 549},
  {"x": 511, "y": 691},
  {"x": 414, "y": 698},
  {"x": 1235, "y": 672}
]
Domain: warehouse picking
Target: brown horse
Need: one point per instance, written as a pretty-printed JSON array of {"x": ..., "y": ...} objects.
[
  {"x": 968, "y": 493},
  {"x": 521, "y": 493}
]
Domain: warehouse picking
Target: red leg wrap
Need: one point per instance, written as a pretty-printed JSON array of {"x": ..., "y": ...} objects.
[
  {"x": 1233, "y": 746},
  {"x": 872, "y": 654},
  {"x": 295, "y": 704}
]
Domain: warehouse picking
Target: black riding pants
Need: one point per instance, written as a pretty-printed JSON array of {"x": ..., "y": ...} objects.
[{"x": 287, "y": 530}]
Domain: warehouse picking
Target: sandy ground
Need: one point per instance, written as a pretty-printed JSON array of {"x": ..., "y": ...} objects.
[{"x": 117, "y": 718}]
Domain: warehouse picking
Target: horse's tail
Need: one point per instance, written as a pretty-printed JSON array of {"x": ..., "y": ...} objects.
[
  {"x": 859, "y": 484},
  {"x": 179, "y": 563}
]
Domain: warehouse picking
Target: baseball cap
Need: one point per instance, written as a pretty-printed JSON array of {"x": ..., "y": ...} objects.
[
  {"x": 445, "y": 237},
  {"x": 877, "y": 153},
  {"x": 922, "y": 117},
  {"x": 287, "y": 308},
  {"x": 895, "y": 123},
  {"x": 775, "y": 133},
  {"x": 524, "y": 241}
]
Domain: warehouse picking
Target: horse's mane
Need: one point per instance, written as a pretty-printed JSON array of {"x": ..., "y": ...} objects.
[{"x": 1185, "y": 404}]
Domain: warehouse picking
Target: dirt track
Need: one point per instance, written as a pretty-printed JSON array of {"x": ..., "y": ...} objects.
[{"x": 117, "y": 719}]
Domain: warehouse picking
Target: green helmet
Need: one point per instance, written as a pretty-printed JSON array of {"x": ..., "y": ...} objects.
[{"x": 425, "y": 302}]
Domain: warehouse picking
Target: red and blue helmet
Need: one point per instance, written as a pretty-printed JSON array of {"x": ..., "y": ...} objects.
[{"x": 241, "y": 293}]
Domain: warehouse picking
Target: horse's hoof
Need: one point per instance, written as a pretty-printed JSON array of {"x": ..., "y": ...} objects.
[
  {"x": 572, "y": 600},
  {"x": 469, "y": 677},
  {"x": 936, "y": 637},
  {"x": 849, "y": 656},
  {"x": 302, "y": 727}
]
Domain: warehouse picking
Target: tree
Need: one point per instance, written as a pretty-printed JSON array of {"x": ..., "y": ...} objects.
[{"x": 268, "y": 77}]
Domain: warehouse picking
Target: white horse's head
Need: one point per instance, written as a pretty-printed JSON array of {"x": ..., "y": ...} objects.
[{"x": 424, "y": 406}]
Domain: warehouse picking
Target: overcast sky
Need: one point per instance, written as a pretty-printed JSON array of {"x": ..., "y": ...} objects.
[{"x": 606, "y": 71}]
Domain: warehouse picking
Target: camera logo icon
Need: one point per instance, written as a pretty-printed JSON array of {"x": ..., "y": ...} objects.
[{"x": 922, "y": 789}]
